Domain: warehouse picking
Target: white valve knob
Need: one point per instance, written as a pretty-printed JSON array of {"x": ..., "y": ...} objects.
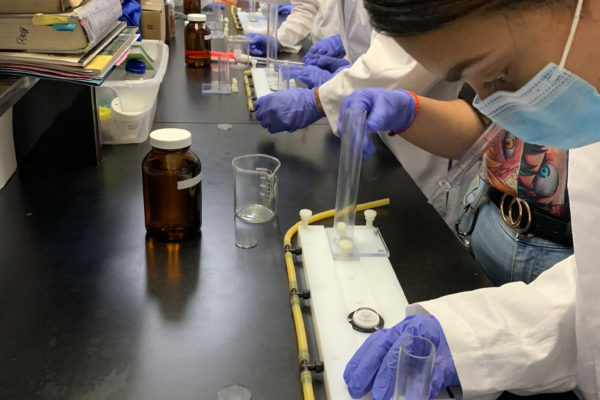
[
  {"x": 305, "y": 215},
  {"x": 345, "y": 245},
  {"x": 370, "y": 217},
  {"x": 340, "y": 228}
]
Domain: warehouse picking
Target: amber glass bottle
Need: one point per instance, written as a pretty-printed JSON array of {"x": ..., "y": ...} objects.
[
  {"x": 197, "y": 42},
  {"x": 191, "y": 7},
  {"x": 172, "y": 181}
]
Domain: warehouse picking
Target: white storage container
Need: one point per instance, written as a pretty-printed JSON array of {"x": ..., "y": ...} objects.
[{"x": 132, "y": 120}]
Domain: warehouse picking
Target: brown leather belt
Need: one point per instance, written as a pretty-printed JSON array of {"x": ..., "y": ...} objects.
[{"x": 527, "y": 219}]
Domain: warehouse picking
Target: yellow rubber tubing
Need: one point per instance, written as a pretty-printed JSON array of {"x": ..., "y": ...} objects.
[
  {"x": 303, "y": 355},
  {"x": 307, "y": 387}
]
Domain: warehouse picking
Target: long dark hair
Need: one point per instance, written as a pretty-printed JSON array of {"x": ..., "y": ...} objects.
[{"x": 412, "y": 17}]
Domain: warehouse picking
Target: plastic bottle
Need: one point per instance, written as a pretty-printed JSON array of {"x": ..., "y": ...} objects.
[
  {"x": 172, "y": 180},
  {"x": 191, "y": 7},
  {"x": 136, "y": 70},
  {"x": 197, "y": 42}
]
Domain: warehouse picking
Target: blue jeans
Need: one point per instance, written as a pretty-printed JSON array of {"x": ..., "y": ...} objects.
[{"x": 507, "y": 256}]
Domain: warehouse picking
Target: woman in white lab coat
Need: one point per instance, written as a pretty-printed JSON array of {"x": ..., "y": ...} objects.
[
  {"x": 315, "y": 17},
  {"x": 534, "y": 65},
  {"x": 377, "y": 61}
]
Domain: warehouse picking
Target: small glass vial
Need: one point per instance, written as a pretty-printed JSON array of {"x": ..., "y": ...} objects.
[
  {"x": 191, "y": 7},
  {"x": 172, "y": 182},
  {"x": 197, "y": 42},
  {"x": 136, "y": 70}
]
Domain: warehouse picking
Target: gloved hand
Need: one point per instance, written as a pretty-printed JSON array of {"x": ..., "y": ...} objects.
[
  {"x": 258, "y": 44},
  {"x": 284, "y": 10},
  {"x": 373, "y": 366},
  {"x": 392, "y": 110},
  {"x": 287, "y": 110},
  {"x": 310, "y": 75},
  {"x": 209, "y": 7},
  {"x": 331, "y": 46},
  {"x": 328, "y": 63}
]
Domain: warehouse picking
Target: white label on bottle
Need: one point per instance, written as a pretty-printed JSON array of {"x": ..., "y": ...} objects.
[
  {"x": 188, "y": 183},
  {"x": 207, "y": 37}
]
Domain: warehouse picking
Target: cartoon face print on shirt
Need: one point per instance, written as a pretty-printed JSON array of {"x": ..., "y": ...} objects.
[{"x": 537, "y": 174}]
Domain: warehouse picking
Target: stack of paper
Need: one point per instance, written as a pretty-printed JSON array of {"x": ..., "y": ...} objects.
[{"x": 82, "y": 45}]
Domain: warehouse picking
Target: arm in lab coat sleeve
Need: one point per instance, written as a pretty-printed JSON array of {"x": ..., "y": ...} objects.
[
  {"x": 298, "y": 25},
  {"x": 385, "y": 65},
  {"x": 516, "y": 337}
]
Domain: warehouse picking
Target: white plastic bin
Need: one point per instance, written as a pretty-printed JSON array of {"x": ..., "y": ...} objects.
[{"x": 136, "y": 98}]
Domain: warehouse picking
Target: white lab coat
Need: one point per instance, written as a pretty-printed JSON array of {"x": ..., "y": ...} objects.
[
  {"x": 541, "y": 337},
  {"x": 387, "y": 65},
  {"x": 319, "y": 18},
  {"x": 355, "y": 28}
]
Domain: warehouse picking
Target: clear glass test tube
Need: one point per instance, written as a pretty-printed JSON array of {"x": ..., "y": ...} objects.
[
  {"x": 283, "y": 79},
  {"x": 252, "y": 10},
  {"x": 353, "y": 131},
  {"x": 272, "y": 26},
  {"x": 467, "y": 161},
  {"x": 223, "y": 65},
  {"x": 415, "y": 363},
  {"x": 218, "y": 12}
]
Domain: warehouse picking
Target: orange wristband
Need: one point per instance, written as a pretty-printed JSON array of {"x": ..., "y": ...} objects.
[
  {"x": 417, "y": 107},
  {"x": 318, "y": 101}
]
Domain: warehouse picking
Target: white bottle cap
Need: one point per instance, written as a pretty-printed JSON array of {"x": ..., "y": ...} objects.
[
  {"x": 170, "y": 139},
  {"x": 196, "y": 17}
]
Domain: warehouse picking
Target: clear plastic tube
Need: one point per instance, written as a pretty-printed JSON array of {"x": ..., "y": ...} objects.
[
  {"x": 467, "y": 161},
  {"x": 224, "y": 83},
  {"x": 415, "y": 363},
  {"x": 353, "y": 130},
  {"x": 272, "y": 25},
  {"x": 252, "y": 10}
]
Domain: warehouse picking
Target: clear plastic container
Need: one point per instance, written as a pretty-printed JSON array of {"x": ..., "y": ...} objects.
[
  {"x": 135, "y": 95},
  {"x": 172, "y": 180}
]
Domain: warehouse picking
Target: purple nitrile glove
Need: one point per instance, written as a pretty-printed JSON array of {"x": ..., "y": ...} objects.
[
  {"x": 387, "y": 110},
  {"x": 373, "y": 366},
  {"x": 258, "y": 44},
  {"x": 209, "y": 7},
  {"x": 288, "y": 110},
  {"x": 284, "y": 10},
  {"x": 312, "y": 76},
  {"x": 328, "y": 63},
  {"x": 331, "y": 46}
]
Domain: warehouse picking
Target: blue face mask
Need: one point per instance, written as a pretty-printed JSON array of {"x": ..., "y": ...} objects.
[{"x": 556, "y": 108}]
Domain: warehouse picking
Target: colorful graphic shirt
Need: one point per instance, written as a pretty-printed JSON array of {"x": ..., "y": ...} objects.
[{"x": 536, "y": 174}]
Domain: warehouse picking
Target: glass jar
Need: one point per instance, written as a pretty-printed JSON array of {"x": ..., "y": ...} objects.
[
  {"x": 172, "y": 180},
  {"x": 197, "y": 42},
  {"x": 191, "y": 7}
]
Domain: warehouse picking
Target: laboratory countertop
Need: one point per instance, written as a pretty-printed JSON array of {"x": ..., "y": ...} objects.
[{"x": 90, "y": 308}]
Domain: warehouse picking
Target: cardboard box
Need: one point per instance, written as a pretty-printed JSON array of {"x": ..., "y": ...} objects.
[
  {"x": 153, "y": 20},
  {"x": 37, "y": 6}
]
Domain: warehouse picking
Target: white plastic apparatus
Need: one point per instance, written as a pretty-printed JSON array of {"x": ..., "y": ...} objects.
[{"x": 339, "y": 288}]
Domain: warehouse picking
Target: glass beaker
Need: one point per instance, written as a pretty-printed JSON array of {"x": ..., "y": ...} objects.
[
  {"x": 415, "y": 363},
  {"x": 239, "y": 46},
  {"x": 254, "y": 196},
  {"x": 255, "y": 187}
]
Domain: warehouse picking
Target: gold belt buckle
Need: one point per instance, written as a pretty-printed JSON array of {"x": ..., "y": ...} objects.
[{"x": 511, "y": 220}]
